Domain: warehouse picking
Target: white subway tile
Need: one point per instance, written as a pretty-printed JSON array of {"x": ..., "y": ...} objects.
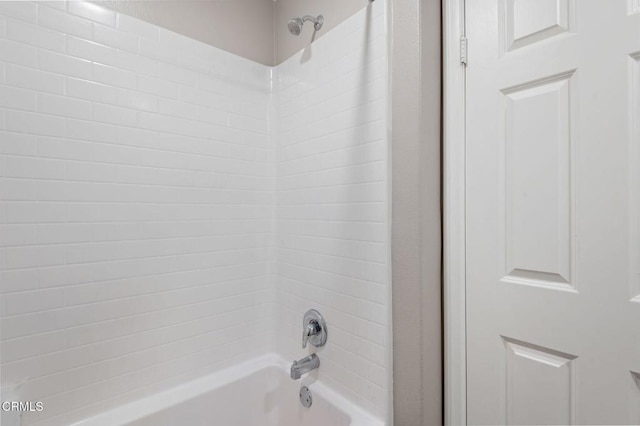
[
  {"x": 18, "y": 190},
  {"x": 18, "y": 235},
  {"x": 56, "y": 4},
  {"x": 59, "y": 276},
  {"x": 91, "y": 131},
  {"x": 91, "y": 51},
  {"x": 156, "y": 86},
  {"x": 115, "y": 38},
  {"x": 60, "y": 148},
  {"x": 34, "y": 167},
  {"x": 30, "y": 346},
  {"x": 23, "y": 10},
  {"x": 35, "y": 35},
  {"x": 133, "y": 225},
  {"x": 39, "y": 124},
  {"x": 13, "y": 97},
  {"x": 18, "y": 144},
  {"x": 93, "y": 12},
  {"x": 64, "y": 106},
  {"x": 64, "y": 191},
  {"x": 30, "y": 78},
  {"x": 18, "y": 280},
  {"x": 136, "y": 63},
  {"x": 59, "y": 20},
  {"x": 18, "y": 326},
  {"x": 32, "y": 257},
  {"x": 137, "y": 100},
  {"x": 154, "y": 50},
  {"x": 89, "y": 90},
  {"x": 47, "y": 364},
  {"x": 56, "y": 233},
  {"x": 18, "y": 53},
  {"x": 213, "y": 84},
  {"x": 177, "y": 109},
  {"x": 178, "y": 74},
  {"x": 248, "y": 124},
  {"x": 115, "y": 115},
  {"x": 63, "y": 64},
  {"x": 212, "y": 116},
  {"x": 114, "y": 76},
  {"x": 332, "y": 190},
  {"x": 27, "y": 212}
]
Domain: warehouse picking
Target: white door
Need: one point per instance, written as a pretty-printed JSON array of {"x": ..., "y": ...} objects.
[{"x": 553, "y": 211}]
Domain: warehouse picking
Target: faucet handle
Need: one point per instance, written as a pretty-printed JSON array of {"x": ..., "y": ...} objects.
[{"x": 314, "y": 329}]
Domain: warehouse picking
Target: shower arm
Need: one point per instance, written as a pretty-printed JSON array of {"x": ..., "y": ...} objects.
[{"x": 317, "y": 22}]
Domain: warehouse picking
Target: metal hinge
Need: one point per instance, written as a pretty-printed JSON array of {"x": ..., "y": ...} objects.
[{"x": 463, "y": 50}]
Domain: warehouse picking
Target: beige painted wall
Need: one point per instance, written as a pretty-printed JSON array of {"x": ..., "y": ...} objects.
[
  {"x": 334, "y": 12},
  {"x": 243, "y": 27},
  {"x": 416, "y": 227},
  {"x": 255, "y": 29}
]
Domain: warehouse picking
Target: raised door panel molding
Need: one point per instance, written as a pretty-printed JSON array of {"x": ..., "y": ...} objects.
[
  {"x": 531, "y": 21},
  {"x": 537, "y": 184},
  {"x": 538, "y": 384}
]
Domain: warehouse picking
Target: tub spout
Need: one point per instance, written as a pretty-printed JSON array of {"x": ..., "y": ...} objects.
[{"x": 306, "y": 364}]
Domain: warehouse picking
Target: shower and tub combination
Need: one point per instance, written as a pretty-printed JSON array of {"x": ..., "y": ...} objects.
[
  {"x": 255, "y": 392},
  {"x": 188, "y": 234}
]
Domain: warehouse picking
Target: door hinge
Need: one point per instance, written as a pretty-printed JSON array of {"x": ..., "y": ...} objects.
[{"x": 463, "y": 50}]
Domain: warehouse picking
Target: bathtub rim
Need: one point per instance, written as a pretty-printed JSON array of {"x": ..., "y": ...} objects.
[{"x": 148, "y": 405}]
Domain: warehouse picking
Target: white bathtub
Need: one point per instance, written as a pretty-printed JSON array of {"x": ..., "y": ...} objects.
[{"x": 255, "y": 393}]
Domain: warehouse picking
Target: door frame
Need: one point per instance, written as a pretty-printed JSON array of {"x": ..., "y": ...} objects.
[{"x": 454, "y": 235}]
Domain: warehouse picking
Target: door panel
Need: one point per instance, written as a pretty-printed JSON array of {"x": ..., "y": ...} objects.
[
  {"x": 527, "y": 22},
  {"x": 538, "y": 223},
  {"x": 553, "y": 211},
  {"x": 538, "y": 377}
]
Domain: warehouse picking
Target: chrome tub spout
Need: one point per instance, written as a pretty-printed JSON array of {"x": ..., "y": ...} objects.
[{"x": 305, "y": 365}]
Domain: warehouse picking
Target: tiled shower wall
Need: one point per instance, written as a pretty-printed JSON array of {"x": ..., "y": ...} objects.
[
  {"x": 137, "y": 199},
  {"x": 159, "y": 195},
  {"x": 332, "y": 221}
]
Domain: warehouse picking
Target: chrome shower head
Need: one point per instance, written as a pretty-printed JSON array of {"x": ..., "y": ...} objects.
[{"x": 295, "y": 25}]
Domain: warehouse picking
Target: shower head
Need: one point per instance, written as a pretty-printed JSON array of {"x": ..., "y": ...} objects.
[{"x": 295, "y": 25}]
